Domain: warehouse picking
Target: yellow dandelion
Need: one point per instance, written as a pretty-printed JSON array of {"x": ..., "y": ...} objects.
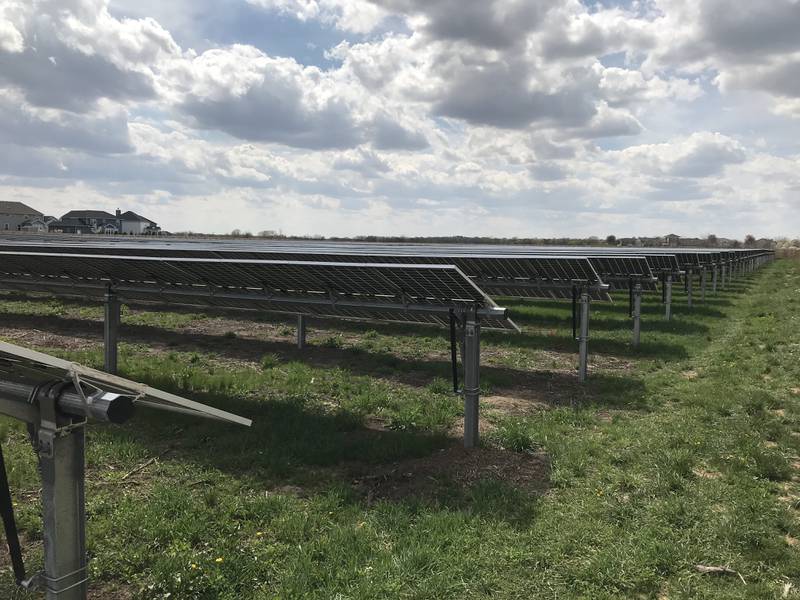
[
  {"x": 259, "y": 533},
  {"x": 219, "y": 559}
]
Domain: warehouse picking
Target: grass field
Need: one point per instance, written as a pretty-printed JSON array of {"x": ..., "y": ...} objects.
[{"x": 351, "y": 483}]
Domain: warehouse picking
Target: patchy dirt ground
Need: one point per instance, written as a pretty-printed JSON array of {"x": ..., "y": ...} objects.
[
  {"x": 451, "y": 467},
  {"x": 513, "y": 405}
]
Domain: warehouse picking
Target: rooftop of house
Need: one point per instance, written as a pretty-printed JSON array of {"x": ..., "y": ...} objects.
[
  {"x": 132, "y": 216},
  {"x": 16, "y": 208},
  {"x": 88, "y": 214}
]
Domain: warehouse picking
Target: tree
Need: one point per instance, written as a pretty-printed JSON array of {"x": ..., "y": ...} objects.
[
  {"x": 712, "y": 240},
  {"x": 611, "y": 240},
  {"x": 749, "y": 240}
]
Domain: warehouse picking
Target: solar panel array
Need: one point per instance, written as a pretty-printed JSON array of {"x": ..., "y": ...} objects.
[
  {"x": 509, "y": 270},
  {"x": 523, "y": 275},
  {"x": 406, "y": 293}
]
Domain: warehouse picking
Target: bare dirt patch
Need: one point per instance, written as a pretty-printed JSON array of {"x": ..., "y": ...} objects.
[
  {"x": 106, "y": 591},
  {"x": 690, "y": 375},
  {"x": 610, "y": 363},
  {"x": 45, "y": 339},
  {"x": 705, "y": 474},
  {"x": 428, "y": 477},
  {"x": 513, "y": 405}
]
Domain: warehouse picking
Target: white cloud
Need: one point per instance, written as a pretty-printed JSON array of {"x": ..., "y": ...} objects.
[
  {"x": 11, "y": 40},
  {"x": 357, "y": 16},
  {"x": 442, "y": 116},
  {"x": 702, "y": 154}
]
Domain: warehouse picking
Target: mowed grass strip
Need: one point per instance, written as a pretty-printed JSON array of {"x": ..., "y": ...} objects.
[{"x": 682, "y": 453}]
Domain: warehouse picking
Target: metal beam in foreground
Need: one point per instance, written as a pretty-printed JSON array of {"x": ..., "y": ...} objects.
[{"x": 57, "y": 398}]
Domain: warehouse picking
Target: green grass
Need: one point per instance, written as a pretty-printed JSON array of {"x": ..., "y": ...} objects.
[{"x": 680, "y": 453}]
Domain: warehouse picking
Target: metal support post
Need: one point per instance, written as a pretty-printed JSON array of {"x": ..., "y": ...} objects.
[
  {"x": 111, "y": 331},
  {"x": 689, "y": 286},
  {"x": 472, "y": 361},
  {"x": 637, "y": 314},
  {"x": 583, "y": 338},
  {"x": 61, "y": 450},
  {"x": 714, "y": 280},
  {"x": 703, "y": 285},
  {"x": 724, "y": 268},
  {"x": 668, "y": 296},
  {"x": 301, "y": 332}
]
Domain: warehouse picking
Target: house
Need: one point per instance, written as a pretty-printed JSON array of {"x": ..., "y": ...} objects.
[
  {"x": 88, "y": 221},
  {"x": 14, "y": 214},
  {"x": 133, "y": 224},
  {"x": 100, "y": 221},
  {"x": 37, "y": 224}
]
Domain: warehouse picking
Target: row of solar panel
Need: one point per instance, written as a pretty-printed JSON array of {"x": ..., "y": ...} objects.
[{"x": 353, "y": 280}]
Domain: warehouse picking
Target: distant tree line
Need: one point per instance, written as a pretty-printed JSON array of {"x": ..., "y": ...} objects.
[{"x": 710, "y": 241}]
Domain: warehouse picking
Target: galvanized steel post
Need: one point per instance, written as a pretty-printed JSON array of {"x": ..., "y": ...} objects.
[
  {"x": 301, "y": 332},
  {"x": 714, "y": 280},
  {"x": 63, "y": 503},
  {"x": 703, "y": 285},
  {"x": 668, "y": 296},
  {"x": 637, "y": 314},
  {"x": 583, "y": 337},
  {"x": 689, "y": 284},
  {"x": 472, "y": 361},
  {"x": 111, "y": 331}
]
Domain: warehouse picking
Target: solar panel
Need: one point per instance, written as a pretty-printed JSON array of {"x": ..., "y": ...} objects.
[{"x": 29, "y": 366}]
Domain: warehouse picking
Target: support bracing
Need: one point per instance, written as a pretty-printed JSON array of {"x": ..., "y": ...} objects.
[
  {"x": 668, "y": 296},
  {"x": 10, "y": 524},
  {"x": 637, "y": 314},
  {"x": 301, "y": 332},
  {"x": 689, "y": 285},
  {"x": 583, "y": 338},
  {"x": 111, "y": 331},
  {"x": 472, "y": 361}
]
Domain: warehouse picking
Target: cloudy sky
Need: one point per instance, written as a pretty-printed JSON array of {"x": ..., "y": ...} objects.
[{"x": 419, "y": 117}]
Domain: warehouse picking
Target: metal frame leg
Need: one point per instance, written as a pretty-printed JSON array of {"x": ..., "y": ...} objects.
[
  {"x": 703, "y": 285},
  {"x": 301, "y": 332},
  {"x": 472, "y": 361},
  {"x": 63, "y": 503},
  {"x": 689, "y": 285},
  {"x": 583, "y": 338},
  {"x": 637, "y": 314},
  {"x": 111, "y": 332},
  {"x": 714, "y": 280},
  {"x": 722, "y": 274},
  {"x": 668, "y": 297}
]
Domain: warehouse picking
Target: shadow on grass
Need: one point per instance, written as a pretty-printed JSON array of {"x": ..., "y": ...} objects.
[
  {"x": 562, "y": 342},
  {"x": 416, "y": 372},
  {"x": 295, "y": 448}
]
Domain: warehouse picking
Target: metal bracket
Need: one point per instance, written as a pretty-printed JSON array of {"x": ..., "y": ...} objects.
[
  {"x": 34, "y": 582},
  {"x": 48, "y": 428}
]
